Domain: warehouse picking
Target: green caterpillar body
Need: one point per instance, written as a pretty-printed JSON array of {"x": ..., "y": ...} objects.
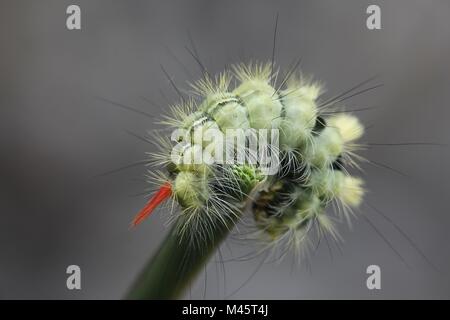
[{"x": 313, "y": 151}]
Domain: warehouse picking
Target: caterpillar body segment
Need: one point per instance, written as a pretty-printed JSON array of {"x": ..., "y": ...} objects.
[{"x": 311, "y": 153}]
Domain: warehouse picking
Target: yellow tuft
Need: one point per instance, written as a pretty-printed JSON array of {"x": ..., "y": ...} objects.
[
  {"x": 179, "y": 113},
  {"x": 349, "y": 126},
  {"x": 304, "y": 87},
  {"x": 326, "y": 148},
  {"x": 253, "y": 71},
  {"x": 211, "y": 86},
  {"x": 351, "y": 191}
]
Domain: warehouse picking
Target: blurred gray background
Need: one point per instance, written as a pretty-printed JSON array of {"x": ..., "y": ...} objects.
[{"x": 56, "y": 135}]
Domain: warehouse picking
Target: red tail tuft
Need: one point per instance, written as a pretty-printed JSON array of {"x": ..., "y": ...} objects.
[{"x": 163, "y": 193}]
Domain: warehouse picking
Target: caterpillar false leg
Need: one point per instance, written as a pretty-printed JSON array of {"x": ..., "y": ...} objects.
[{"x": 163, "y": 193}]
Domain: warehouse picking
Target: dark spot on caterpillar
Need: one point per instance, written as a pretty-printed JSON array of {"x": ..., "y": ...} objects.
[
  {"x": 292, "y": 169},
  {"x": 277, "y": 199},
  {"x": 172, "y": 169},
  {"x": 319, "y": 126},
  {"x": 338, "y": 164}
]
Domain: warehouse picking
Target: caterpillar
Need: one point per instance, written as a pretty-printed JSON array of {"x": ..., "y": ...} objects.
[{"x": 310, "y": 149}]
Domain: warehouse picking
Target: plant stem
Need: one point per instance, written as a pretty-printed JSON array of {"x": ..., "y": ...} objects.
[{"x": 176, "y": 264}]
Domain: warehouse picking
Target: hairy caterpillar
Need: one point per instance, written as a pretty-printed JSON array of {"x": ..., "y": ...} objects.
[{"x": 313, "y": 153}]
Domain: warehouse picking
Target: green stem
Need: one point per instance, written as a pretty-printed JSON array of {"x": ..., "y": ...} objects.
[{"x": 176, "y": 264}]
